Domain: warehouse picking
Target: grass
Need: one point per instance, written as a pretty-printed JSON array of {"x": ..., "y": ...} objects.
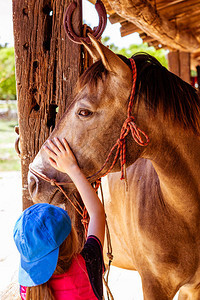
[{"x": 9, "y": 161}]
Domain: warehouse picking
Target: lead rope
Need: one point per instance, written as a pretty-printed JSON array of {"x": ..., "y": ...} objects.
[
  {"x": 81, "y": 210},
  {"x": 109, "y": 252},
  {"x": 96, "y": 186}
]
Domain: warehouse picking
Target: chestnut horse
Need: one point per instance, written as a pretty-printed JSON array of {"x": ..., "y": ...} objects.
[{"x": 155, "y": 225}]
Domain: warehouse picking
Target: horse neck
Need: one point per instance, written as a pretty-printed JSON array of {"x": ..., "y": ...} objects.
[{"x": 175, "y": 155}]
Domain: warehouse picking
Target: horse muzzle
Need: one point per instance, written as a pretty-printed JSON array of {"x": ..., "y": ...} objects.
[{"x": 40, "y": 190}]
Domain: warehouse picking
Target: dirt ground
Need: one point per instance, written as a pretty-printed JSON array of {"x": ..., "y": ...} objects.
[
  {"x": 10, "y": 209},
  {"x": 125, "y": 285}
]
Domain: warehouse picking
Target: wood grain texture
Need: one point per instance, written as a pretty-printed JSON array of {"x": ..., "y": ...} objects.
[
  {"x": 146, "y": 17},
  {"x": 179, "y": 64},
  {"x": 47, "y": 68}
]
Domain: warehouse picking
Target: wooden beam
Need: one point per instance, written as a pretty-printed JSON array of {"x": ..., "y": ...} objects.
[
  {"x": 144, "y": 16},
  {"x": 173, "y": 62},
  {"x": 195, "y": 60},
  {"x": 148, "y": 39},
  {"x": 179, "y": 64},
  {"x": 143, "y": 35},
  {"x": 176, "y": 7},
  {"x": 108, "y": 8},
  {"x": 155, "y": 44},
  {"x": 115, "y": 18},
  {"x": 196, "y": 55},
  {"x": 164, "y": 4},
  {"x": 128, "y": 28},
  {"x": 92, "y": 1},
  {"x": 188, "y": 23},
  {"x": 194, "y": 25}
]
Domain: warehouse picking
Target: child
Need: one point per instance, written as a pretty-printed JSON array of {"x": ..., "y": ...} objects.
[{"x": 51, "y": 266}]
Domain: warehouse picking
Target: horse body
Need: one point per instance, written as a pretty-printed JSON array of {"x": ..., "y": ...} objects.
[
  {"x": 155, "y": 226},
  {"x": 150, "y": 232},
  {"x": 156, "y": 223}
]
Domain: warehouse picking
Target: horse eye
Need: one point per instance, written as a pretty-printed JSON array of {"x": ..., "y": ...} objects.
[{"x": 84, "y": 113}]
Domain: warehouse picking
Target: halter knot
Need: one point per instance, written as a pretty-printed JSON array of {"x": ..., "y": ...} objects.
[
  {"x": 110, "y": 256},
  {"x": 85, "y": 221},
  {"x": 120, "y": 142},
  {"x": 53, "y": 182},
  {"x": 128, "y": 121}
]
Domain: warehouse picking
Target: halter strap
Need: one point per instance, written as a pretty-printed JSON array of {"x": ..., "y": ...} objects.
[
  {"x": 77, "y": 205},
  {"x": 128, "y": 126}
]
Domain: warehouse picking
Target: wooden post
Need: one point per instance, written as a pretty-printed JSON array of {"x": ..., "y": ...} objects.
[
  {"x": 184, "y": 59},
  {"x": 173, "y": 62},
  {"x": 198, "y": 77},
  {"x": 179, "y": 64},
  {"x": 47, "y": 67}
]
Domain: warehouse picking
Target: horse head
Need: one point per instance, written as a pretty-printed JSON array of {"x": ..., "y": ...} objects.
[{"x": 92, "y": 124}]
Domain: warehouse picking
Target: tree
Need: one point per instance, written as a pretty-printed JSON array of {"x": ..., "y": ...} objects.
[
  {"x": 7, "y": 74},
  {"x": 128, "y": 52}
]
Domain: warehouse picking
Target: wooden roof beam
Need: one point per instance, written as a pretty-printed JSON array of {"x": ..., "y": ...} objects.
[
  {"x": 128, "y": 28},
  {"x": 147, "y": 39},
  {"x": 196, "y": 55},
  {"x": 144, "y": 16},
  {"x": 178, "y": 7},
  {"x": 115, "y": 18},
  {"x": 186, "y": 16},
  {"x": 165, "y": 4}
]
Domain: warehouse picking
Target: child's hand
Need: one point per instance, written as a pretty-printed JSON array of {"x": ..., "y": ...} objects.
[
  {"x": 61, "y": 156},
  {"x": 62, "y": 159}
]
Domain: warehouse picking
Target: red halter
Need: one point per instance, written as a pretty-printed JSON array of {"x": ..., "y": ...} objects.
[{"x": 128, "y": 126}]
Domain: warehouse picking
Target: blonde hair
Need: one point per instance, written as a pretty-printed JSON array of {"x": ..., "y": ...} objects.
[{"x": 67, "y": 250}]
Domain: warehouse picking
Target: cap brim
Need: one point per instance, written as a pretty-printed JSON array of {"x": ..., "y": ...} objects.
[{"x": 38, "y": 272}]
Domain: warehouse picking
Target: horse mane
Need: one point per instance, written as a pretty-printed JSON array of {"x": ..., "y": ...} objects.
[
  {"x": 159, "y": 88},
  {"x": 162, "y": 89}
]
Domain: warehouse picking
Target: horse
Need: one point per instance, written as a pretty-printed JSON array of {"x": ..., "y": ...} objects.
[{"x": 154, "y": 218}]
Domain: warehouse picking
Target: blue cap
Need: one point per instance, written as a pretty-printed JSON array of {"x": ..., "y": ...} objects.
[{"x": 38, "y": 233}]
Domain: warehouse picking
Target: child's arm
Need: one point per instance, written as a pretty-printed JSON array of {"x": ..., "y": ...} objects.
[{"x": 62, "y": 159}]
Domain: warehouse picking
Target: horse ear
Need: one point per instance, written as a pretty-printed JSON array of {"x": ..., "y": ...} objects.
[
  {"x": 92, "y": 51},
  {"x": 110, "y": 60}
]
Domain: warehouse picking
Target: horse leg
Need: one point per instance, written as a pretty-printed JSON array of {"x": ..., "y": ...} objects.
[
  {"x": 189, "y": 293},
  {"x": 153, "y": 289}
]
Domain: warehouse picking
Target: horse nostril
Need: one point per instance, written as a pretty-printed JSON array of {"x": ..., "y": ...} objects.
[{"x": 32, "y": 185}]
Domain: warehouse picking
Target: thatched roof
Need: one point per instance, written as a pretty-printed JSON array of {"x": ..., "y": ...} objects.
[{"x": 172, "y": 24}]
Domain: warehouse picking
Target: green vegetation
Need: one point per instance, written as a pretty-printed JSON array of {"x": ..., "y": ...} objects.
[
  {"x": 9, "y": 161},
  {"x": 128, "y": 52},
  {"x": 7, "y": 64},
  {"x": 7, "y": 74}
]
